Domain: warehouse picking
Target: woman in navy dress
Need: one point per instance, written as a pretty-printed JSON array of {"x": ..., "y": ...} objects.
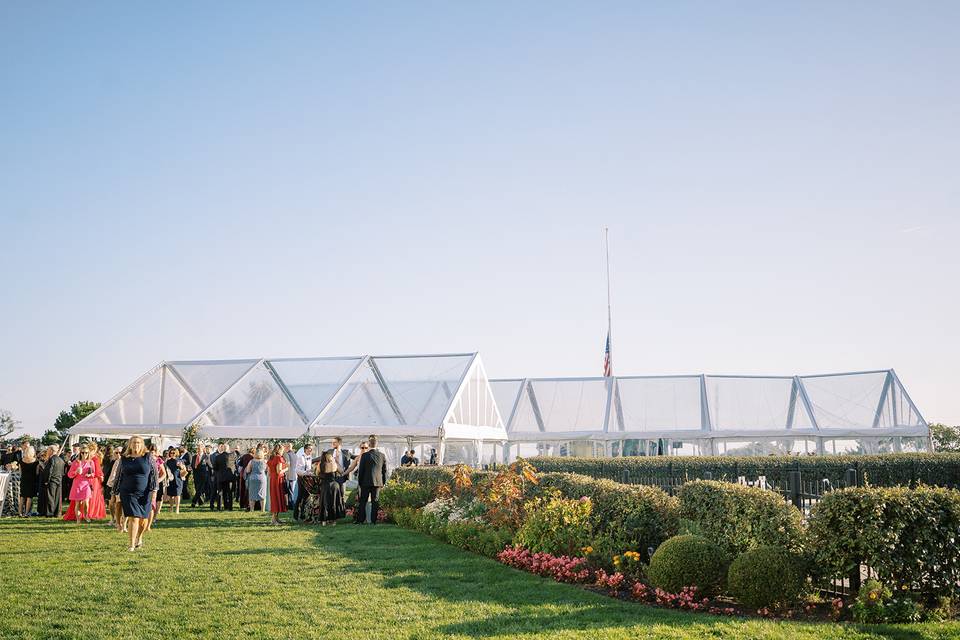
[
  {"x": 138, "y": 482},
  {"x": 175, "y": 485}
]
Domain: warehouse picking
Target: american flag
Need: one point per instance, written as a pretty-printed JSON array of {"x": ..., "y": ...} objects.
[{"x": 607, "y": 359}]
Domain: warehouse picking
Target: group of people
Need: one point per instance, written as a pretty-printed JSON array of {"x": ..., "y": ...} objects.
[{"x": 132, "y": 483}]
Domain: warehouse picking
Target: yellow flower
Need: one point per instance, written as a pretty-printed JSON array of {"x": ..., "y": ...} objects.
[
  {"x": 873, "y": 595},
  {"x": 587, "y": 550},
  {"x": 616, "y": 560}
]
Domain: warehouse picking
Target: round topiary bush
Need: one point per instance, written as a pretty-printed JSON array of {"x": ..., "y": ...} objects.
[
  {"x": 766, "y": 576},
  {"x": 688, "y": 561}
]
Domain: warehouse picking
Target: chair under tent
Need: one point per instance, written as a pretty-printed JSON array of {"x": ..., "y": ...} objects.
[{"x": 422, "y": 402}]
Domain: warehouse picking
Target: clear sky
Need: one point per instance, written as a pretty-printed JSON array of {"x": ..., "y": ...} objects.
[{"x": 781, "y": 182}]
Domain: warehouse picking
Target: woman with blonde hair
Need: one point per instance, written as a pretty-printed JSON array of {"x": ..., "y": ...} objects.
[
  {"x": 256, "y": 480},
  {"x": 81, "y": 471},
  {"x": 137, "y": 488},
  {"x": 29, "y": 474},
  {"x": 96, "y": 507}
]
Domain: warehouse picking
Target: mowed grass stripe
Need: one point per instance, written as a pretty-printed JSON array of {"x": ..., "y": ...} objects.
[{"x": 229, "y": 575}]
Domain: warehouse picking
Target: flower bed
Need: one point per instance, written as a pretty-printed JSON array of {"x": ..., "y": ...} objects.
[{"x": 602, "y": 535}]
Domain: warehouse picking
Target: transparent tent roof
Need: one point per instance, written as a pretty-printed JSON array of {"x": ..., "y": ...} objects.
[
  {"x": 419, "y": 396},
  {"x": 706, "y": 406}
]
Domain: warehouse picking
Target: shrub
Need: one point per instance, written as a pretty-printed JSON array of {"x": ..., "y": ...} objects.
[
  {"x": 877, "y": 603},
  {"x": 556, "y": 525},
  {"x": 431, "y": 477},
  {"x": 766, "y": 576},
  {"x": 478, "y": 537},
  {"x": 624, "y": 518},
  {"x": 401, "y": 494},
  {"x": 908, "y": 536},
  {"x": 688, "y": 561},
  {"x": 740, "y": 518}
]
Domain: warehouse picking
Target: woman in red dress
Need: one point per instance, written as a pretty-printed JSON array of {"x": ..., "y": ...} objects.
[
  {"x": 276, "y": 470},
  {"x": 96, "y": 507}
]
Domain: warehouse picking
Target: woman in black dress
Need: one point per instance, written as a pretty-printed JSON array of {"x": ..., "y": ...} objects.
[
  {"x": 330, "y": 506},
  {"x": 29, "y": 472},
  {"x": 138, "y": 484}
]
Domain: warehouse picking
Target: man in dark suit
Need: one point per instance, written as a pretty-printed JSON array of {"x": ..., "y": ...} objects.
[
  {"x": 200, "y": 465},
  {"x": 225, "y": 468},
  {"x": 371, "y": 476},
  {"x": 341, "y": 456},
  {"x": 51, "y": 481},
  {"x": 216, "y": 464}
]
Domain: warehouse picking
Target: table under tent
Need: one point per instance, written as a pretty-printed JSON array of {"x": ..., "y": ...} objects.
[
  {"x": 424, "y": 402},
  {"x": 860, "y": 412}
]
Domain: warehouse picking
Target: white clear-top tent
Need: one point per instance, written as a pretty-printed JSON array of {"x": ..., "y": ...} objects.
[
  {"x": 860, "y": 412},
  {"x": 426, "y": 402}
]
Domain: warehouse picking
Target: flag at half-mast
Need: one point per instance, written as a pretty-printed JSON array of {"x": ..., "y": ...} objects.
[{"x": 607, "y": 359}]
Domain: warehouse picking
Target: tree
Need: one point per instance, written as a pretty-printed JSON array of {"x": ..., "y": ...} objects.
[
  {"x": 7, "y": 424},
  {"x": 78, "y": 411},
  {"x": 945, "y": 438}
]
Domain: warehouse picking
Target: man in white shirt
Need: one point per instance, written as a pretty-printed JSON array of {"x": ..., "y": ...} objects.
[{"x": 304, "y": 467}]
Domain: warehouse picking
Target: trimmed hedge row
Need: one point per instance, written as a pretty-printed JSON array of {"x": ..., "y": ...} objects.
[
  {"x": 910, "y": 537},
  {"x": 911, "y": 469},
  {"x": 740, "y": 518},
  {"x": 623, "y": 516}
]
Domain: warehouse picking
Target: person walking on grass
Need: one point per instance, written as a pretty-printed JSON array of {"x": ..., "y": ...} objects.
[
  {"x": 371, "y": 475},
  {"x": 138, "y": 488},
  {"x": 81, "y": 472},
  {"x": 177, "y": 474}
]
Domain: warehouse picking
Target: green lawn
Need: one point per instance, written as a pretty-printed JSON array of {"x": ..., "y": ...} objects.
[{"x": 231, "y": 575}]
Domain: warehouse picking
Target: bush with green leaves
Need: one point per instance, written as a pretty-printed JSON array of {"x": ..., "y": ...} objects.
[
  {"x": 401, "y": 493},
  {"x": 624, "y": 517},
  {"x": 478, "y": 537},
  {"x": 876, "y": 603},
  {"x": 556, "y": 525},
  {"x": 689, "y": 561},
  {"x": 909, "y": 537},
  {"x": 765, "y": 577},
  {"x": 740, "y": 518}
]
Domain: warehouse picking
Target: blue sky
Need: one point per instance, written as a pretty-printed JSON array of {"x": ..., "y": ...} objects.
[{"x": 240, "y": 179}]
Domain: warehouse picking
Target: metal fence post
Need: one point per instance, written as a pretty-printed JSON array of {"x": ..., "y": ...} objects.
[{"x": 796, "y": 494}]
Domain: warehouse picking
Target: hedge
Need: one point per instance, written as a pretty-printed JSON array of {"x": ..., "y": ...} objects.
[
  {"x": 910, "y": 537},
  {"x": 740, "y": 518},
  {"x": 935, "y": 469},
  {"x": 624, "y": 517}
]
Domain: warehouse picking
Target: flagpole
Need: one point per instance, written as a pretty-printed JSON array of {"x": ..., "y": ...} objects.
[{"x": 606, "y": 236}]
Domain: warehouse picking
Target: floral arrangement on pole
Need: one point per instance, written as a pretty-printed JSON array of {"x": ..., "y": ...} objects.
[{"x": 191, "y": 436}]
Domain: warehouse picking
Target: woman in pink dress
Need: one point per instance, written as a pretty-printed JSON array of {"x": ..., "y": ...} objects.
[
  {"x": 96, "y": 507},
  {"x": 81, "y": 472}
]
